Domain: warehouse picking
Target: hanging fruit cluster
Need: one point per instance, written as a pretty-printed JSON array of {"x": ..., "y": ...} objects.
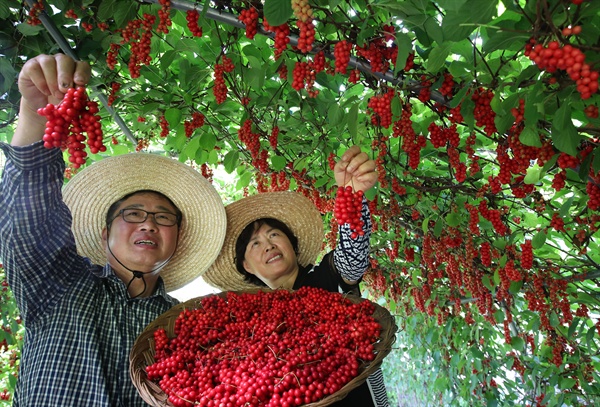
[{"x": 67, "y": 123}]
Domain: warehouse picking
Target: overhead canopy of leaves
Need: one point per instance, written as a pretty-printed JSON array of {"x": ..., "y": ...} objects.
[{"x": 477, "y": 145}]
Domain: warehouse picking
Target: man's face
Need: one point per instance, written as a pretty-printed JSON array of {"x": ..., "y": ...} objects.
[{"x": 141, "y": 246}]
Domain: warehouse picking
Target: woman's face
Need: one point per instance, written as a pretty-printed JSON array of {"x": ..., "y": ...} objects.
[{"x": 270, "y": 256}]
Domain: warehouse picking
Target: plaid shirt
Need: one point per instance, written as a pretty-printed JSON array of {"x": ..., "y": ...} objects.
[{"x": 80, "y": 321}]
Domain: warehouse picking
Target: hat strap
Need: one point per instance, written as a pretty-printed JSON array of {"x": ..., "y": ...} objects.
[{"x": 137, "y": 273}]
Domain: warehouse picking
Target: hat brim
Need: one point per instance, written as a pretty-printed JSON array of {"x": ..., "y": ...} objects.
[
  {"x": 91, "y": 192},
  {"x": 296, "y": 211}
]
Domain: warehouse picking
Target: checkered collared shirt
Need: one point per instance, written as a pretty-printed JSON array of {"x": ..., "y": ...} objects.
[{"x": 80, "y": 321}]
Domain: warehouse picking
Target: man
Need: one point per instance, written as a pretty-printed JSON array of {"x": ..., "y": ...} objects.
[{"x": 90, "y": 272}]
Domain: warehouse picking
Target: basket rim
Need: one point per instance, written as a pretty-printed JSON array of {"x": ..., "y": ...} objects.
[{"x": 142, "y": 351}]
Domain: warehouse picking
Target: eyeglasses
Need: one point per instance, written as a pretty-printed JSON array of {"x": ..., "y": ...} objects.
[{"x": 134, "y": 215}]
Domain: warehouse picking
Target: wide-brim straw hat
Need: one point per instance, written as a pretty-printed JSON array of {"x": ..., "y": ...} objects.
[
  {"x": 295, "y": 210},
  {"x": 94, "y": 189}
]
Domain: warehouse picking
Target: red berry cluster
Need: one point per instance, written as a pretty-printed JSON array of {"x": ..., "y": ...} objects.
[
  {"x": 282, "y": 37},
  {"x": 191, "y": 125},
  {"x": 354, "y": 76},
  {"x": 164, "y": 126},
  {"x": 425, "y": 91},
  {"x": 70, "y": 13},
  {"x": 114, "y": 88},
  {"x": 138, "y": 33},
  {"x": 527, "y": 255},
  {"x": 378, "y": 54},
  {"x": 164, "y": 16},
  {"x": 341, "y": 53},
  {"x": 250, "y": 18},
  {"x": 593, "y": 191},
  {"x": 557, "y": 223},
  {"x": 219, "y": 88},
  {"x": 67, "y": 122},
  {"x": 250, "y": 350},
  {"x": 448, "y": 85},
  {"x": 273, "y": 137},
  {"x": 304, "y": 76},
  {"x": 192, "y": 17},
  {"x": 381, "y": 107},
  {"x": 34, "y": 12},
  {"x": 302, "y": 10},
  {"x": 4, "y": 395},
  {"x": 306, "y": 37},
  {"x": 591, "y": 111},
  {"x": 347, "y": 209},
  {"x": 566, "y": 58},
  {"x": 483, "y": 113}
]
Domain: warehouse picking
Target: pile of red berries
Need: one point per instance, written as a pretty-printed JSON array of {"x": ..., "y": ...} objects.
[
  {"x": 67, "y": 122},
  {"x": 276, "y": 348},
  {"x": 347, "y": 209}
]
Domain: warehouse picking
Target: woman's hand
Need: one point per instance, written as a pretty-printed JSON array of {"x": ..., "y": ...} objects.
[{"x": 355, "y": 169}]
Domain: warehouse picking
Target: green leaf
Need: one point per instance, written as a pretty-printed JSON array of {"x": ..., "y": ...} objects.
[
  {"x": 518, "y": 343},
  {"x": 278, "y": 162},
  {"x": 439, "y": 226},
  {"x": 173, "y": 116},
  {"x": 533, "y": 175},
  {"x": 230, "y": 161},
  {"x": 504, "y": 40},
  {"x": 352, "y": 119},
  {"x": 566, "y": 383},
  {"x": 564, "y": 133},
  {"x": 589, "y": 336},
  {"x": 105, "y": 9},
  {"x": 565, "y": 207},
  {"x": 573, "y": 328},
  {"x": 503, "y": 122},
  {"x": 404, "y": 44},
  {"x": 437, "y": 58},
  {"x": 277, "y": 12},
  {"x": 458, "y": 24},
  {"x": 554, "y": 321},
  {"x": 530, "y": 137},
  {"x": 453, "y": 219},
  {"x": 322, "y": 181},
  {"x": 191, "y": 147},
  {"x": 458, "y": 97},
  {"x": 4, "y": 10},
  {"x": 208, "y": 141},
  {"x": 121, "y": 11},
  {"x": 596, "y": 162},
  {"x": 334, "y": 114},
  {"x": 538, "y": 240},
  {"x": 28, "y": 29}
]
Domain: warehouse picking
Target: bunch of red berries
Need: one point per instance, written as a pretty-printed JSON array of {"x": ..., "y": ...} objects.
[
  {"x": 248, "y": 347},
  {"x": 347, "y": 209},
  {"x": 67, "y": 122},
  {"x": 192, "y": 22}
]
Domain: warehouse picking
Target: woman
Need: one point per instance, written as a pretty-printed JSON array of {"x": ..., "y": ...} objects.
[{"x": 273, "y": 239}]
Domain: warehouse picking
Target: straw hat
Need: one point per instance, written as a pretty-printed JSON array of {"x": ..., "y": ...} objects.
[
  {"x": 291, "y": 208},
  {"x": 93, "y": 190}
]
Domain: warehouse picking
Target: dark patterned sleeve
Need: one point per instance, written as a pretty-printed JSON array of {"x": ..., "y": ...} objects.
[
  {"x": 351, "y": 256},
  {"x": 36, "y": 243}
]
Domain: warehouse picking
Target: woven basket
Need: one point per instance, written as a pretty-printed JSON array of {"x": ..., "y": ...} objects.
[{"x": 142, "y": 352}]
